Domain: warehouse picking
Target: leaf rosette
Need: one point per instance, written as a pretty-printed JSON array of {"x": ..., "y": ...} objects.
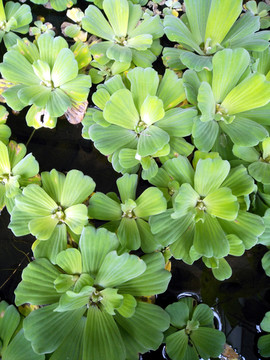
[
  {"x": 12, "y": 339},
  {"x": 14, "y": 18},
  {"x": 207, "y": 27},
  {"x": 131, "y": 37},
  {"x": 141, "y": 121},
  {"x": 192, "y": 334},
  {"x": 44, "y": 75},
  {"x": 93, "y": 309},
  {"x": 16, "y": 172},
  {"x": 129, "y": 216},
  {"x": 58, "y": 5},
  {"x": 50, "y": 210},
  {"x": 209, "y": 218},
  {"x": 230, "y": 100}
]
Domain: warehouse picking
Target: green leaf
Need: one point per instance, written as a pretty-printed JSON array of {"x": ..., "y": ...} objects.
[
  {"x": 146, "y": 325},
  {"x": 239, "y": 181},
  {"x": 223, "y": 271},
  {"x": 150, "y": 202},
  {"x": 117, "y": 14},
  {"x": 196, "y": 62},
  {"x": 140, "y": 42},
  {"x": 127, "y": 185},
  {"x": 177, "y": 345},
  {"x": 37, "y": 94},
  {"x": 118, "y": 269},
  {"x": 247, "y": 227},
  {"x": 220, "y": 19},
  {"x": 70, "y": 261},
  {"x": 206, "y": 102},
  {"x": 65, "y": 68},
  {"x": 260, "y": 171},
  {"x": 148, "y": 242},
  {"x": 244, "y": 132},
  {"x": 76, "y": 217},
  {"x": 178, "y": 121},
  {"x": 210, "y": 174},
  {"x": 209, "y": 342},
  {"x": 102, "y": 339},
  {"x": 47, "y": 329},
  {"x": 197, "y": 14},
  {"x": 128, "y": 306},
  {"x": 119, "y": 53},
  {"x": 110, "y": 139},
  {"x": 265, "y": 325},
  {"x": 52, "y": 246},
  {"x": 171, "y": 90},
  {"x": 180, "y": 169},
  {"x": 154, "y": 280},
  {"x": 9, "y": 69},
  {"x": 168, "y": 230},
  {"x": 151, "y": 140},
  {"x": 205, "y": 134},
  {"x": 263, "y": 345},
  {"x": 222, "y": 204},
  {"x": 128, "y": 234},
  {"x": 237, "y": 247},
  {"x": 27, "y": 167},
  {"x": 95, "y": 245},
  {"x": 10, "y": 320},
  {"x": 58, "y": 103},
  {"x": 72, "y": 300},
  {"x": 76, "y": 188},
  {"x": 37, "y": 285},
  {"x": 185, "y": 201},
  {"x": 4, "y": 159},
  {"x": 228, "y": 67},
  {"x": 71, "y": 348},
  {"x": 55, "y": 44},
  {"x": 95, "y": 23},
  {"x": 179, "y": 314},
  {"x": 43, "y": 227},
  {"x": 101, "y": 207},
  {"x": 252, "y": 92},
  {"x": 151, "y": 110},
  {"x": 14, "y": 350},
  {"x": 177, "y": 31},
  {"x": 143, "y": 82},
  {"x": 111, "y": 300},
  {"x": 210, "y": 239},
  {"x": 120, "y": 110}
]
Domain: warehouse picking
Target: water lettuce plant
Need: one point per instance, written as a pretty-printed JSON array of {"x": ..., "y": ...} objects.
[
  {"x": 264, "y": 340},
  {"x": 262, "y": 10},
  {"x": 131, "y": 37},
  {"x": 50, "y": 210},
  {"x": 227, "y": 100},
  {"x": 5, "y": 131},
  {"x": 209, "y": 26},
  {"x": 209, "y": 218},
  {"x": 58, "y": 5},
  {"x": 92, "y": 307},
  {"x": 16, "y": 172},
  {"x": 13, "y": 344},
  {"x": 128, "y": 216},
  {"x": 140, "y": 121},
  {"x": 192, "y": 335},
  {"x": 14, "y": 18},
  {"x": 46, "y": 78}
]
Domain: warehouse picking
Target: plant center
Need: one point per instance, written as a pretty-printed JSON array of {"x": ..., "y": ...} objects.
[
  {"x": 59, "y": 214},
  {"x": 127, "y": 209},
  {"x": 200, "y": 205}
]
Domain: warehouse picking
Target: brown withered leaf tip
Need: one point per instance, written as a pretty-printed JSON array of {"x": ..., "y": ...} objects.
[{"x": 75, "y": 114}]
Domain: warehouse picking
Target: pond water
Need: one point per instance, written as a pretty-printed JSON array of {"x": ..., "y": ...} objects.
[{"x": 241, "y": 300}]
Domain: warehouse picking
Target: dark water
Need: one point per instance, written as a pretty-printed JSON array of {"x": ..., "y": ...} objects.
[{"x": 241, "y": 300}]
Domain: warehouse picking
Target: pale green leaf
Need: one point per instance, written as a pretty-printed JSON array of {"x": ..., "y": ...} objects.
[
  {"x": 128, "y": 234},
  {"x": 151, "y": 140},
  {"x": 205, "y": 134},
  {"x": 150, "y": 202},
  {"x": 127, "y": 185},
  {"x": 70, "y": 261},
  {"x": 76, "y": 217},
  {"x": 151, "y": 110},
  {"x": 101, "y": 207},
  {"x": 185, "y": 201},
  {"x": 222, "y": 204},
  {"x": 95, "y": 23},
  {"x": 117, "y": 13},
  {"x": 171, "y": 90}
]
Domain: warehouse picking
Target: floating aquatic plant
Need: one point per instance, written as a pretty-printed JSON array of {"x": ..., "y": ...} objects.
[
  {"x": 141, "y": 121},
  {"x": 128, "y": 216},
  {"x": 227, "y": 99},
  {"x": 44, "y": 75},
  {"x": 16, "y": 172},
  {"x": 209, "y": 218},
  {"x": 92, "y": 301},
  {"x": 50, "y": 210},
  {"x": 192, "y": 334},
  {"x": 58, "y": 5},
  {"x": 262, "y": 10},
  {"x": 131, "y": 37},
  {"x": 14, "y": 18},
  {"x": 209, "y": 26}
]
